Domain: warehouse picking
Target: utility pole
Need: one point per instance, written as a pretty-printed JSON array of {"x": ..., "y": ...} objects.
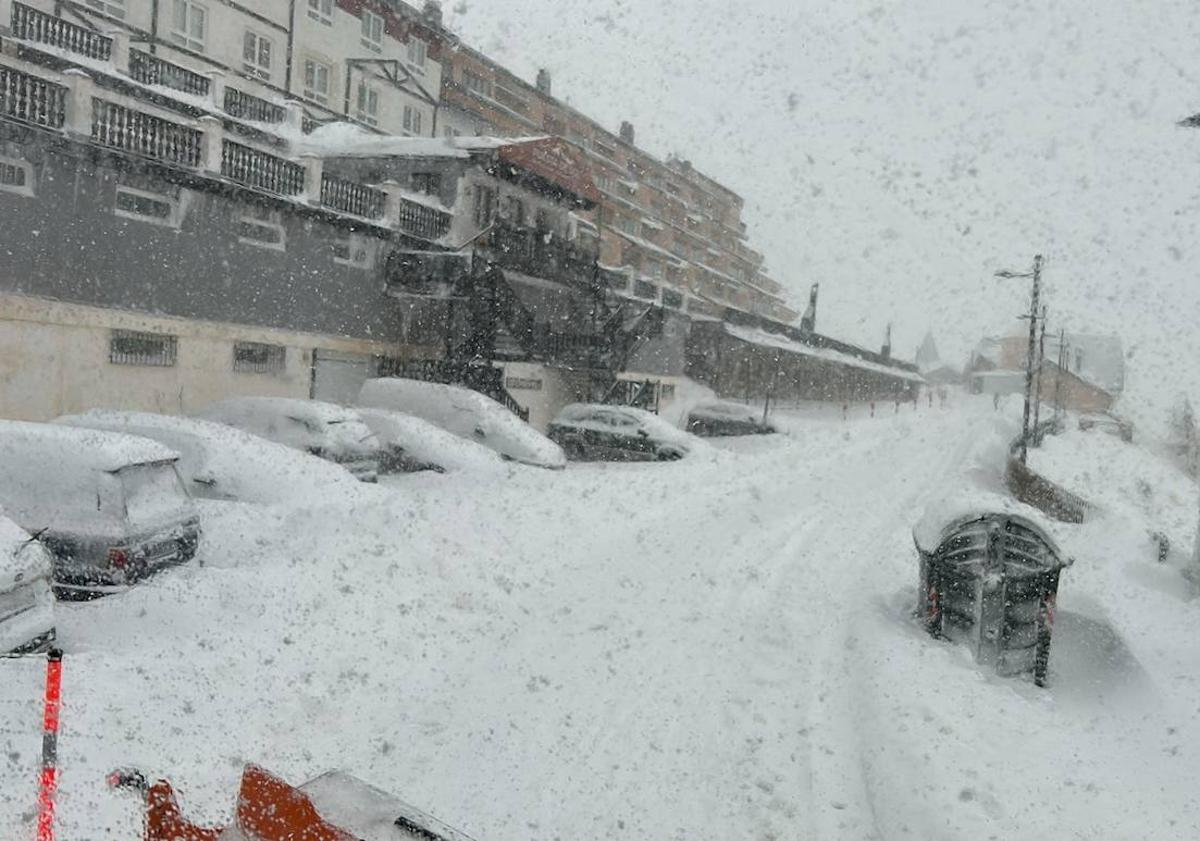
[
  {"x": 1035, "y": 298},
  {"x": 1037, "y": 407}
]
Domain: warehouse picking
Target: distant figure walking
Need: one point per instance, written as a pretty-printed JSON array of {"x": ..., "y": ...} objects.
[
  {"x": 942, "y": 395},
  {"x": 996, "y": 401},
  {"x": 929, "y": 394}
]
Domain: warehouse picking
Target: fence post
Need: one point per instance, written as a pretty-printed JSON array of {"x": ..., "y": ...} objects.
[
  {"x": 80, "y": 88},
  {"x": 391, "y": 207},
  {"x": 216, "y": 89},
  {"x": 120, "y": 50},
  {"x": 214, "y": 144},
  {"x": 294, "y": 119},
  {"x": 314, "y": 166}
]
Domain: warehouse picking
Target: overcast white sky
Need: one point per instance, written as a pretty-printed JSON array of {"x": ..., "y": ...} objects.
[{"x": 900, "y": 152}]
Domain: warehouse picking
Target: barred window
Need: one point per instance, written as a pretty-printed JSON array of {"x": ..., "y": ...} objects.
[
  {"x": 262, "y": 227},
  {"x": 145, "y": 206},
  {"x": 129, "y": 347},
  {"x": 258, "y": 358},
  {"x": 15, "y": 176}
]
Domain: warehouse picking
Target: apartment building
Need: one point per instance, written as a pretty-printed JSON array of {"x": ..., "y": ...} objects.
[
  {"x": 373, "y": 62},
  {"x": 674, "y": 233}
]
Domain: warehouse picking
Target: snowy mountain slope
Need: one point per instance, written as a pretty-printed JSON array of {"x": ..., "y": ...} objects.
[
  {"x": 711, "y": 648},
  {"x": 900, "y": 154}
]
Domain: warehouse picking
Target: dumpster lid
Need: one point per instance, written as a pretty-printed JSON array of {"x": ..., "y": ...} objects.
[{"x": 948, "y": 514}]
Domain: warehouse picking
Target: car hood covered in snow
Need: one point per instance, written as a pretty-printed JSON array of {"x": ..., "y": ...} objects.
[{"x": 466, "y": 413}]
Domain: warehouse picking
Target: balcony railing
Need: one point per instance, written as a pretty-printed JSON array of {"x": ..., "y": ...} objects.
[
  {"x": 152, "y": 70},
  {"x": 35, "y": 25},
  {"x": 132, "y": 131},
  {"x": 534, "y": 253},
  {"x": 31, "y": 100},
  {"x": 349, "y": 197},
  {"x": 265, "y": 171},
  {"x": 244, "y": 106},
  {"x": 423, "y": 222}
]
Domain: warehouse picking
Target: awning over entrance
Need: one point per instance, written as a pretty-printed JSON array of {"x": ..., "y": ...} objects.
[
  {"x": 555, "y": 160},
  {"x": 763, "y": 338}
]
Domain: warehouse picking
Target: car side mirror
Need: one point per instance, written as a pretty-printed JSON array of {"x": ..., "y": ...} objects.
[{"x": 643, "y": 433}]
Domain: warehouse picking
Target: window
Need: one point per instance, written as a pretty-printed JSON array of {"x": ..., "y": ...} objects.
[
  {"x": 412, "y": 120},
  {"x": 485, "y": 206},
  {"x": 512, "y": 100},
  {"x": 262, "y": 227},
  {"x": 258, "y": 358},
  {"x": 654, "y": 269},
  {"x": 356, "y": 250},
  {"x": 604, "y": 182},
  {"x": 129, "y": 347},
  {"x": 476, "y": 84},
  {"x": 630, "y": 226},
  {"x": 112, "y": 8},
  {"x": 16, "y": 177},
  {"x": 189, "y": 21},
  {"x": 146, "y": 206},
  {"x": 666, "y": 391},
  {"x": 321, "y": 11},
  {"x": 372, "y": 31},
  {"x": 256, "y": 55},
  {"x": 450, "y": 131},
  {"x": 368, "y": 104},
  {"x": 645, "y": 289},
  {"x": 672, "y": 299},
  {"x": 316, "y": 81},
  {"x": 429, "y": 183},
  {"x": 606, "y": 151},
  {"x": 418, "y": 51}
]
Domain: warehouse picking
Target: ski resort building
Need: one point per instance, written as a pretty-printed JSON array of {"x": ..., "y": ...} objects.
[{"x": 170, "y": 237}]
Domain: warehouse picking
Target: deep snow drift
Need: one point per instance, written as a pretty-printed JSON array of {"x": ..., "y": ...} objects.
[{"x": 713, "y": 648}]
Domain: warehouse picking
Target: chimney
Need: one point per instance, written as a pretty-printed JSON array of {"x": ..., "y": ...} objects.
[
  {"x": 433, "y": 12},
  {"x": 543, "y": 81},
  {"x": 886, "y": 350},
  {"x": 627, "y": 132},
  {"x": 808, "y": 321}
]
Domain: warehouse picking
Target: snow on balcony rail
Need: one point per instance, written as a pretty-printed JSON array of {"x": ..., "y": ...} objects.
[
  {"x": 244, "y": 106},
  {"x": 152, "y": 70},
  {"x": 143, "y": 134},
  {"x": 422, "y": 221},
  {"x": 262, "y": 170},
  {"x": 351, "y": 197},
  {"x": 35, "y": 25},
  {"x": 31, "y": 99}
]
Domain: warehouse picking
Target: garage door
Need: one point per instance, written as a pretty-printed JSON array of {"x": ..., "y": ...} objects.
[{"x": 337, "y": 377}]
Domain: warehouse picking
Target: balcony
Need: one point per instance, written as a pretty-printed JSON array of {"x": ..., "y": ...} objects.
[
  {"x": 146, "y": 135},
  {"x": 255, "y": 168},
  {"x": 350, "y": 197},
  {"x": 244, "y": 106},
  {"x": 29, "y": 99},
  {"x": 533, "y": 253},
  {"x": 35, "y": 25},
  {"x": 152, "y": 70}
]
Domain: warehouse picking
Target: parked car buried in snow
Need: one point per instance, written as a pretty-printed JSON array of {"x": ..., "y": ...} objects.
[
  {"x": 1108, "y": 422},
  {"x": 465, "y": 413},
  {"x": 412, "y": 445},
  {"x": 219, "y": 462},
  {"x": 599, "y": 432},
  {"x": 26, "y": 600},
  {"x": 110, "y": 508},
  {"x": 722, "y": 418},
  {"x": 325, "y": 430},
  {"x": 989, "y": 578}
]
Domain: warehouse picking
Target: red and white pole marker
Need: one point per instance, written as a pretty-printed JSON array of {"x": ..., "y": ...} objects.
[{"x": 49, "y": 776}]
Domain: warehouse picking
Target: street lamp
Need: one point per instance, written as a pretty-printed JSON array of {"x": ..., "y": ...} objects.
[{"x": 1036, "y": 275}]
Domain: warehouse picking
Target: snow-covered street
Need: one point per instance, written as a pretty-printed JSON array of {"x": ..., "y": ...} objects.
[{"x": 715, "y": 648}]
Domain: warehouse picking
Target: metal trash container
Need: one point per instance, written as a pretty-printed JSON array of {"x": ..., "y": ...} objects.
[{"x": 990, "y": 579}]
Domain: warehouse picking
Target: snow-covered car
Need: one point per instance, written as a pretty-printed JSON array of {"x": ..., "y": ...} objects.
[
  {"x": 411, "y": 445},
  {"x": 219, "y": 462},
  {"x": 325, "y": 430},
  {"x": 722, "y": 418},
  {"x": 465, "y": 413},
  {"x": 26, "y": 600},
  {"x": 1107, "y": 422},
  {"x": 110, "y": 508},
  {"x": 599, "y": 432}
]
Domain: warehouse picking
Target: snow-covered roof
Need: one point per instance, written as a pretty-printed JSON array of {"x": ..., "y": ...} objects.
[
  {"x": 1095, "y": 358},
  {"x": 347, "y": 140},
  {"x": 88, "y": 448},
  {"x": 758, "y": 336}
]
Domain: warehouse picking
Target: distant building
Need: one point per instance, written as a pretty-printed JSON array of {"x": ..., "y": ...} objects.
[
  {"x": 930, "y": 364},
  {"x": 1091, "y": 377}
]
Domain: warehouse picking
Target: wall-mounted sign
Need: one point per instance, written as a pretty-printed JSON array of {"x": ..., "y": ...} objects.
[{"x": 523, "y": 384}]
